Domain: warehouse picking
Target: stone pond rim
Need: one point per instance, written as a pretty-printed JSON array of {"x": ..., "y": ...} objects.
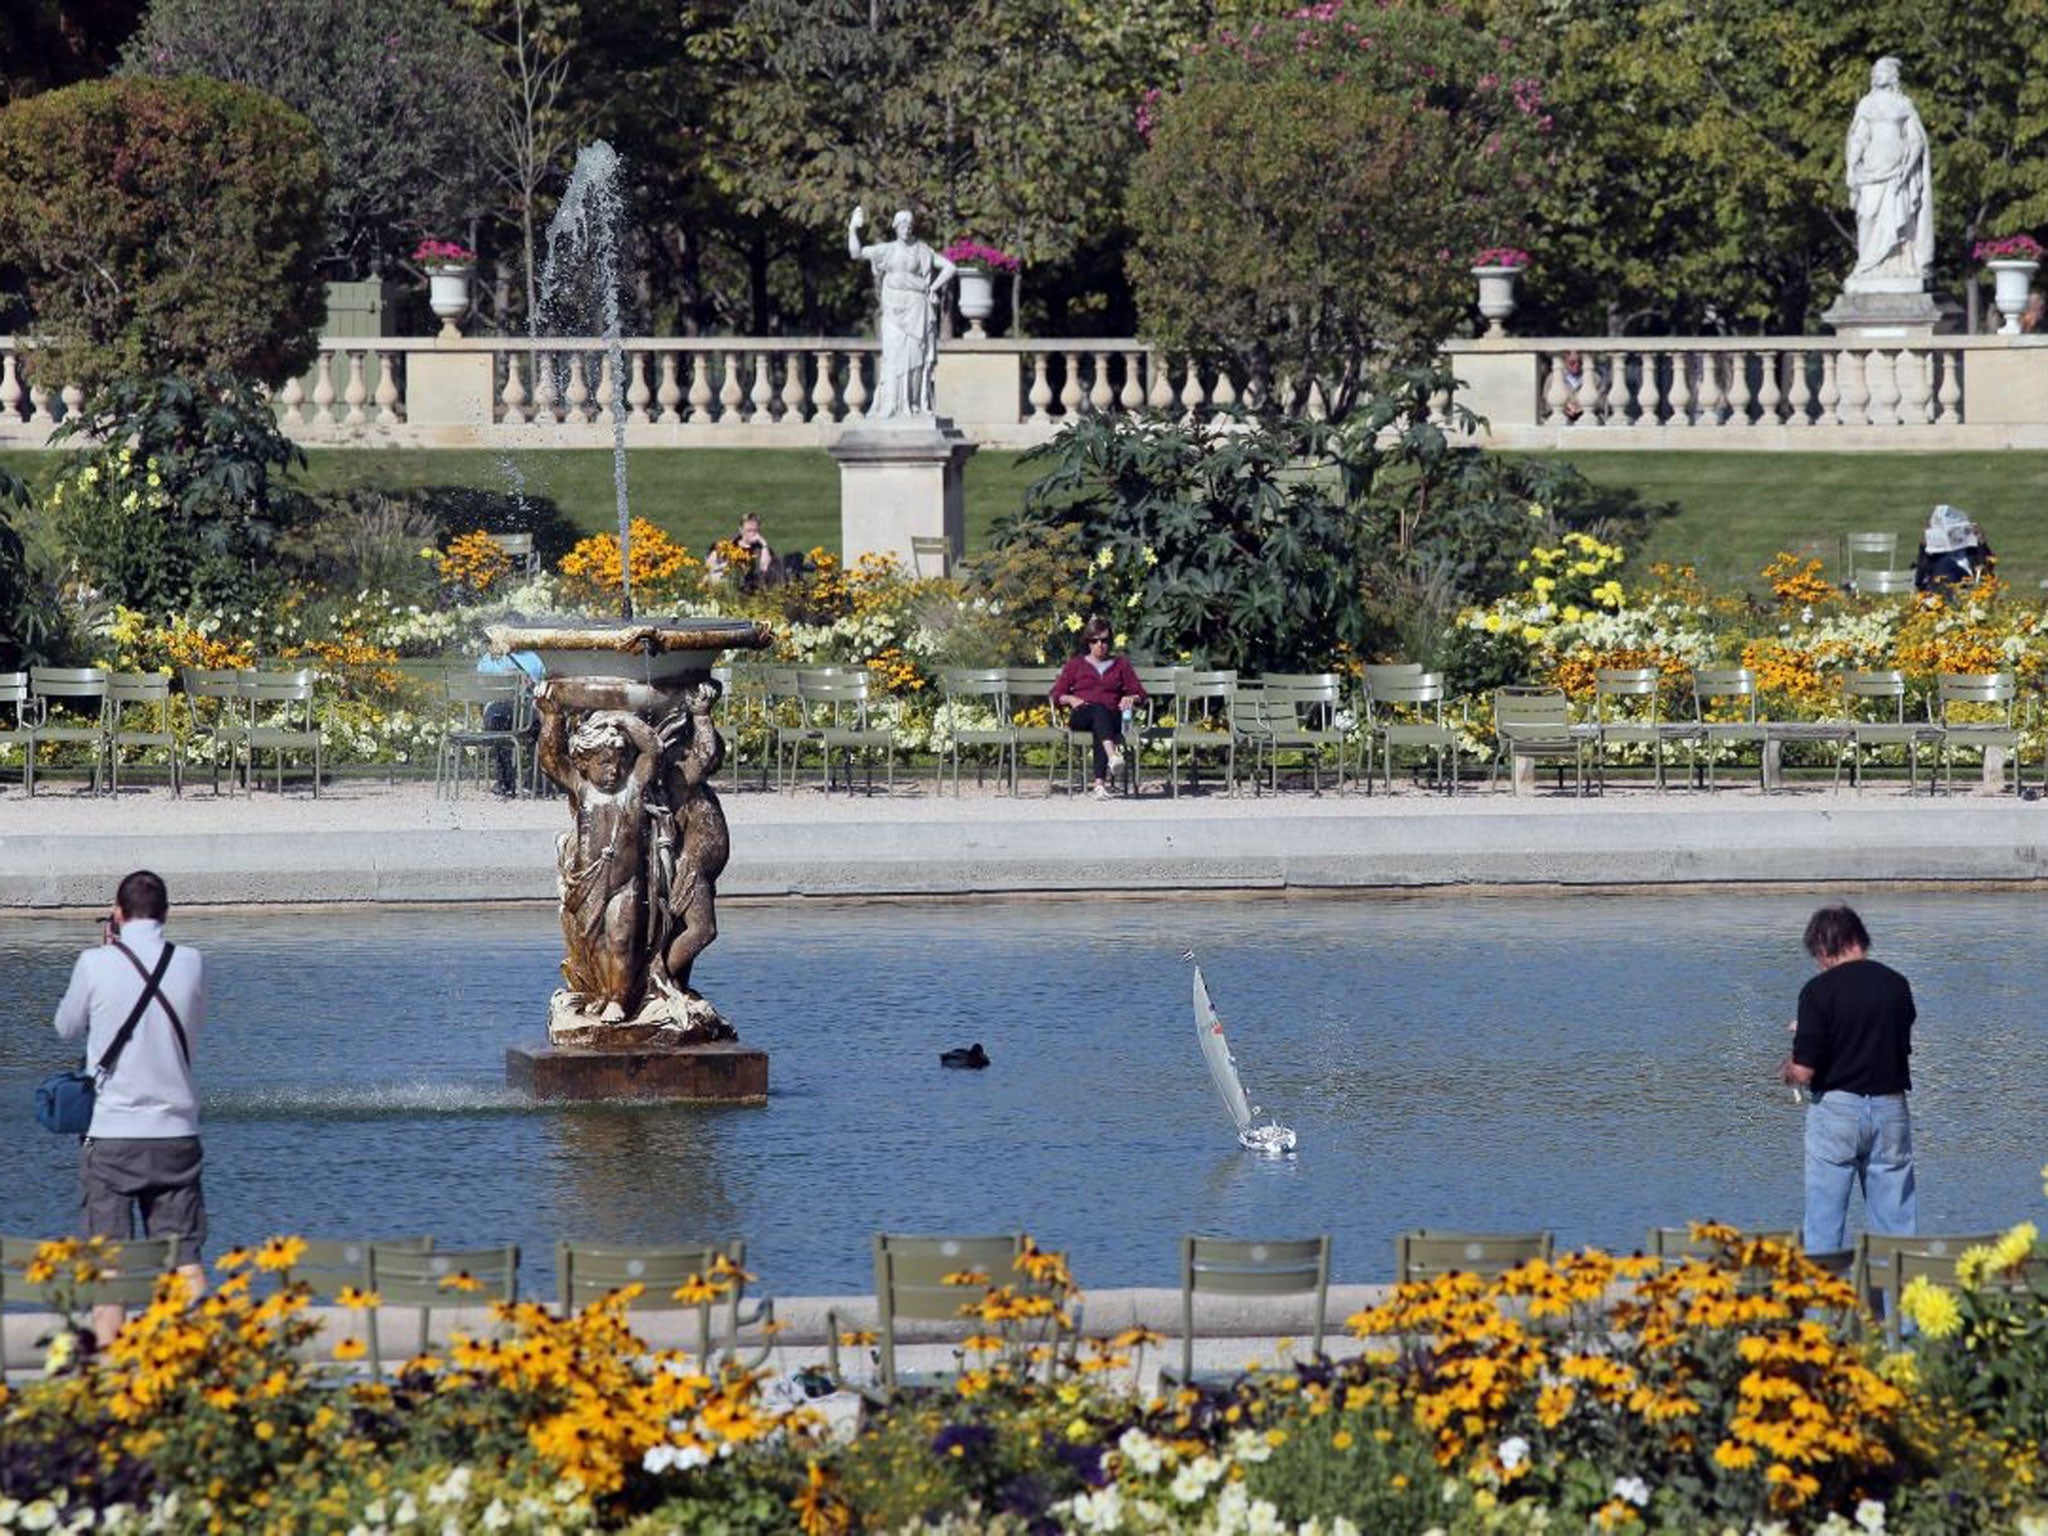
[{"x": 646, "y": 650}]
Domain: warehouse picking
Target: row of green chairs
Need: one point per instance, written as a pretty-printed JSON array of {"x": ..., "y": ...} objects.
[{"x": 1972, "y": 712}]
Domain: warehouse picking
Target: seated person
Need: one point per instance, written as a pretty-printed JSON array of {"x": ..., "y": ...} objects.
[
  {"x": 1097, "y": 688},
  {"x": 1572, "y": 365},
  {"x": 1952, "y": 551},
  {"x": 747, "y": 550},
  {"x": 499, "y": 713}
]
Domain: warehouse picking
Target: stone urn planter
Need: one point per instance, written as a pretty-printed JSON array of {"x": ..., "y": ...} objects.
[
  {"x": 1497, "y": 295},
  {"x": 977, "y": 299},
  {"x": 448, "y": 297},
  {"x": 2013, "y": 281}
]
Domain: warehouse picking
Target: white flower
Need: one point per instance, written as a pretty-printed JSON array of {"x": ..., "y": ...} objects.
[
  {"x": 1102, "y": 1511},
  {"x": 1141, "y": 1453},
  {"x": 38, "y": 1516},
  {"x": 1633, "y": 1489},
  {"x": 1513, "y": 1452},
  {"x": 497, "y": 1516},
  {"x": 1248, "y": 1445},
  {"x": 452, "y": 1489},
  {"x": 1870, "y": 1515},
  {"x": 1192, "y": 1481}
]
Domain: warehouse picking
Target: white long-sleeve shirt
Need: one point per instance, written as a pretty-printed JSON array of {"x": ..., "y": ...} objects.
[{"x": 150, "y": 1094}]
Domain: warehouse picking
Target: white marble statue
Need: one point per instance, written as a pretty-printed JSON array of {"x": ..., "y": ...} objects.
[
  {"x": 1890, "y": 184},
  {"x": 911, "y": 277}
]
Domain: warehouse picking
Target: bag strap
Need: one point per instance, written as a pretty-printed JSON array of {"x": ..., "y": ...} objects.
[{"x": 151, "y": 982}]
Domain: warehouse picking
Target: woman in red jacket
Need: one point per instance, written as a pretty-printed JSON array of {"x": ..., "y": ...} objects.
[{"x": 1098, "y": 687}]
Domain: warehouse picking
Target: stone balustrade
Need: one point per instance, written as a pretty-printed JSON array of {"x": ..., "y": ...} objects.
[{"x": 1820, "y": 393}]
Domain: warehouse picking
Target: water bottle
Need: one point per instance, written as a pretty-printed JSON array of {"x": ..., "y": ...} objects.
[{"x": 1127, "y": 722}]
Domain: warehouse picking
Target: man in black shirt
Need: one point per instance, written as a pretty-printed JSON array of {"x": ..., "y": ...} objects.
[{"x": 1850, "y": 1046}]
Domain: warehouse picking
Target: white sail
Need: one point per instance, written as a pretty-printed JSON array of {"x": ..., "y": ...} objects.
[{"x": 1216, "y": 1051}]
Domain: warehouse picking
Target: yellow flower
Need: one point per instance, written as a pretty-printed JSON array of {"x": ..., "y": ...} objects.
[
  {"x": 1105, "y": 558},
  {"x": 1493, "y": 623},
  {"x": 1531, "y": 634},
  {"x": 1341, "y": 1441},
  {"x": 1932, "y": 1308},
  {"x": 1573, "y": 613},
  {"x": 280, "y": 1253},
  {"x": 350, "y": 1349},
  {"x": 1073, "y": 623}
]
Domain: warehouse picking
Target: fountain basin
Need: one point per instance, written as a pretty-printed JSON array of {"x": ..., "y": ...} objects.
[{"x": 653, "y": 652}]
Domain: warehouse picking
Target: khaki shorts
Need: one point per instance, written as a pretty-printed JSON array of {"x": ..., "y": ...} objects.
[{"x": 160, "y": 1175}]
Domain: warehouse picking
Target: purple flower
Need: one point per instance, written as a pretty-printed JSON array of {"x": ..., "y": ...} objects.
[{"x": 963, "y": 1440}]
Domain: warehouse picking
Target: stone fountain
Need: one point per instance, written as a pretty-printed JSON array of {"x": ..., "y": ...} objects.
[{"x": 626, "y": 732}]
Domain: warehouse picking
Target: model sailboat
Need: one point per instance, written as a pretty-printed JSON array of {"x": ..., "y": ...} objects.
[{"x": 1270, "y": 1137}]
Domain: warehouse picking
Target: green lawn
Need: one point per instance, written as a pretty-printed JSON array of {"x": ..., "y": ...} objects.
[{"x": 1729, "y": 512}]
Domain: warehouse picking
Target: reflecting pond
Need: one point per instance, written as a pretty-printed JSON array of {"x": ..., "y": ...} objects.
[{"x": 1595, "y": 1064}]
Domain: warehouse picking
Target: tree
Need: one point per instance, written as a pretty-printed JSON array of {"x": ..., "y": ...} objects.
[
  {"x": 1316, "y": 189},
  {"x": 398, "y": 89},
  {"x": 163, "y": 226},
  {"x": 48, "y": 43}
]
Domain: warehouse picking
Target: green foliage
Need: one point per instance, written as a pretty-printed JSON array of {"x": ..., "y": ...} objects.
[
  {"x": 181, "y": 487},
  {"x": 1208, "y": 543},
  {"x": 26, "y": 617},
  {"x": 164, "y": 225},
  {"x": 45, "y": 43},
  {"x": 1315, "y": 192},
  {"x": 397, "y": 89}
]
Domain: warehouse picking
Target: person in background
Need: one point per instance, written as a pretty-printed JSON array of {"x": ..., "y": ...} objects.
[
  {"x": 502, "y": 714},
  {"x": 1952, "y": 551},
  {"x": 142, "y": 1150},
  {"x": 2033, "y": 316},
  {"x": 1851, "y": 1044},
  {"x": 1097, "y": 688},
  {"x": 747, "y": 552}
]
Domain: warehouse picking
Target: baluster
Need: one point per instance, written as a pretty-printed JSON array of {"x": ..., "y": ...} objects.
[
  {"x": 1101, "y": 397},
  {"x": 292, "y": 398},
  {"x": 608, "y": 388},
  {"x": 1440, "y": 408},
  {"x": 1070, "y": 385},
  {"x": 1686, "y": 386},
  {"x": 1224, "y": 396},
  {"x": 793, "y": 391},
  {"x": 1717, "y": 387},
  {"x": 761, "y": 396},
  {"x": 356, "y": 393},
  {"x": 1160, "y": 397},
  {"x": 1658, "y": 375},
  {"x": 1830, "y": 393},
  {"x": 1855, "y": 389},
  {"x": 513, "y": 396},
  {"x": 73, "y": 396},
  {"x": 1191, "y": 392},
  {"x": 1040, "y": 394},
  {"x": 668, "y": 393},
  {"x": 1802, "y": 389},
  {"x": 387, "y": 389},
  {"x": 11, "y": 392},
  {"x": 1132, "y": 400},
  {"x": 638, "y": 395},
  {"x": 1739, "y": 392},
  {"x": 576, "y": 398},
  {"x": 547, "y": 389},
  {"x": 1949, "y": 396},
  {"x": 1768, "y": 395},
  {"x": 823, "y": 396},
  {"x": 1587, "y": 392},
  {"x": 729, "y": 396},
  {"x": 42, "y": 405},
  {"x": 856, "y": 386},
  {"x": 700, "y": 387},
  {"x": 1914, "y": 393},
  {"x": 323, "y": 390},
  {"x": 1881, "y": 370},
  {"x": 1555, "y": 391}
]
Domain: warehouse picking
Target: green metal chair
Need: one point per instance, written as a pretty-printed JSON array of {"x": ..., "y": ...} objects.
[
  {"x": 911, "y": 1287},
  {"x": 1536, "y": 724},
  {"x": 134, "y": 1268},
  {"x": 1673, "y": 1243},
  {"x": 1221, "y": 1266},
  {"x": 1293, "y": 712},
  {"x": 1426, "y": 1253},
  {"x": 1876, "y": 1274},
  {"x": 216, "y": 719},
  {"x": 1976, "y": 711},
  {"x": 746, "y": 714},
  {"x": 1876, "y": 582},
  {"x": 973, "y": 694},
  {"x": 1864, "y": 553},
  {"x": 839, "y": 710},
  {"x": 1203, "y": 721},
  {"x": 588, "y": 1272},
  {"x": 1874, "y": 707},
  {"x": 433, "y": 1280},
  {"x": 326, "y": 1266},
  {"x": 138, "y": 711},
  {"x": 1625, "y": 709},
  {"x": 467, "y": 698},
  {"x": 1031, "y": 687},
  {"x": 1149, "y": 734},
  {"x": 17, "y": 728},
  {"x": 69, "y": 706},
  {"x": 280, "y": 721},
  {"x": 1730, "y": 691},
  {"x": 1404, "y": 710}
]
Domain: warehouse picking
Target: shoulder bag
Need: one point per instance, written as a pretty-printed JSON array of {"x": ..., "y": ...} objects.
[{"x": 64, "y": 1100}]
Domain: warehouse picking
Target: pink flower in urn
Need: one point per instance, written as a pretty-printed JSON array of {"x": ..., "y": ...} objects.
[
  {"x": 2010, "y": 248},
  {"x": 1501, "y": 256},
  {"x": 443, "y": 255},
  {"x": 969, "y": 252}
]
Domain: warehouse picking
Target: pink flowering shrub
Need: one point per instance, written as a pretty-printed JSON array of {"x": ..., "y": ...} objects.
[{"x": 970, "y": 252}]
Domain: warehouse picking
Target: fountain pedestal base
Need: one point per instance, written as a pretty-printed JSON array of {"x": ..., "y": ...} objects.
[{"x": 723, "y": 1072}]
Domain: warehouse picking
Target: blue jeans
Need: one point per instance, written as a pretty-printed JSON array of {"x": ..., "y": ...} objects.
[{"x": 1854, "y": 1140}]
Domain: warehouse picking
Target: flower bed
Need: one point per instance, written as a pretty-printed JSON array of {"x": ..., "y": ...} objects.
[{"x": 1740, "y": 1391}]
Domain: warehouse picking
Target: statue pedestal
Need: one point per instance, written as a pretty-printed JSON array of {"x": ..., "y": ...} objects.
[
  {"x": 722, "y": 1073},
  {"x": 1881, "y": 309},
  {"x": 899, "y": 480}
]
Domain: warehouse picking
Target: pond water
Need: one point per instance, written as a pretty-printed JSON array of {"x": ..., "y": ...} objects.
[{"x": 1595, "y": 1064}]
